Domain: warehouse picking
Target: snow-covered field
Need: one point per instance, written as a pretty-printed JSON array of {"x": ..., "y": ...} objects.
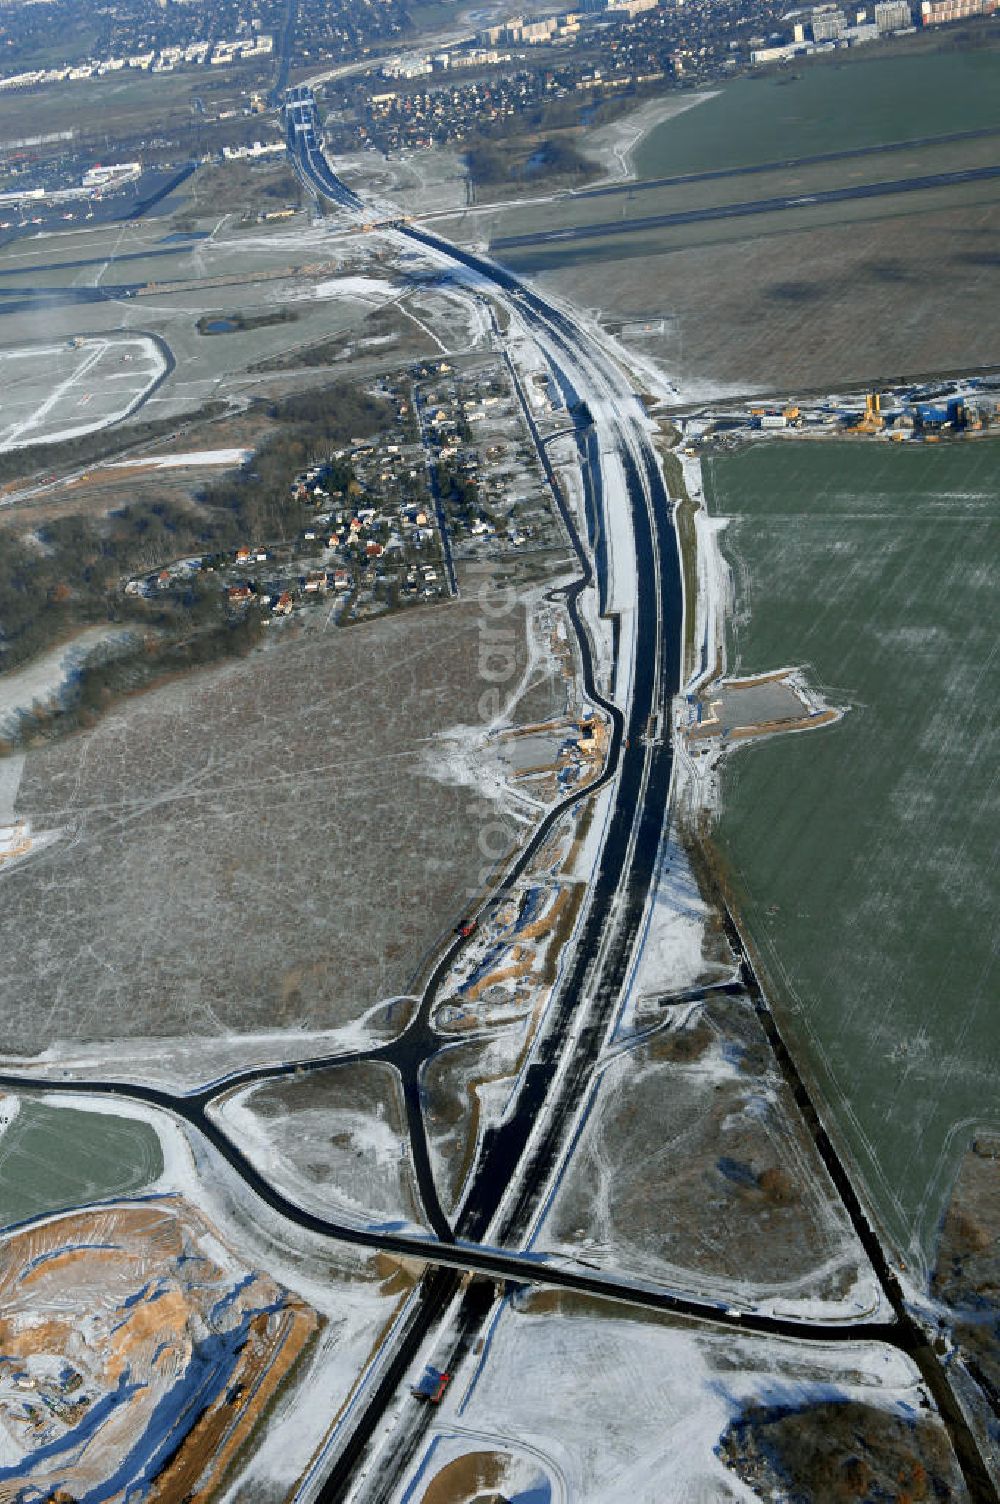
[
  {"x": 607, "y": 1409},
  {"x": 56, "y": 392},
  {"x": 692, "y": 1172},
  {"x": 250, "y": 793},
  {"x": 865, "y": 855},
  {"x": 334, "y": 1142}
]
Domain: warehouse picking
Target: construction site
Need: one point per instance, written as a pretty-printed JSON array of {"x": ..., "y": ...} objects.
[
  {"x": 15, "y": 840},
  {"x": 728, "y": 710},
  {"x": 945, "y": 410},
  {"x": 138, "y": 1353}
]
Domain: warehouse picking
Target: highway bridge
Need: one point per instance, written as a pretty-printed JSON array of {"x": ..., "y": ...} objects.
[{"x": 305, "y": 146}]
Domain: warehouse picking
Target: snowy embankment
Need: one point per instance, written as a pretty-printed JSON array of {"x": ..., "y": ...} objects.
[
  {"x": 179, "y": 461},
  {"x": 670, "y": 957},
  {"x": 610, "y": 405},
  {"x": 11, "y": 769},
  {"x": 715, "y": 590},
  {"x": 373, "y": 290},
  {"x": 189, "y": 1063},
  {"x": 622, "y": 577},
  {"x": 43, "y": 682},
  {"x": 565, "y": 462}
]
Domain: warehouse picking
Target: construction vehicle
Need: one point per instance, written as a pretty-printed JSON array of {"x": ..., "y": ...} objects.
[
  {"x": 431, "y": 1385},
  {"x": 873, "y": 421}
]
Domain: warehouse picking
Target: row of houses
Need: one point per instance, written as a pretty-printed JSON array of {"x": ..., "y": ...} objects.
[
  {"x": 213, "y": 54},
  {"x": 486, "y": 467}
]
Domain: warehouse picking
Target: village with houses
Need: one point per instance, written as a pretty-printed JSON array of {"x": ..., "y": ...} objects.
[{"x": 388, "y": 518}]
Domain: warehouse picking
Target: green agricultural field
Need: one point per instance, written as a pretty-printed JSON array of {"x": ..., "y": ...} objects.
[
  {"x": 863, "y": 856},
  {"x": 856, "y": 291},
  {"x": 56, "y": 1157},
  {"x": 621, "y": 216},
  {"x": 867, "y": 107},
  {"x": 828, "y": 106}
]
